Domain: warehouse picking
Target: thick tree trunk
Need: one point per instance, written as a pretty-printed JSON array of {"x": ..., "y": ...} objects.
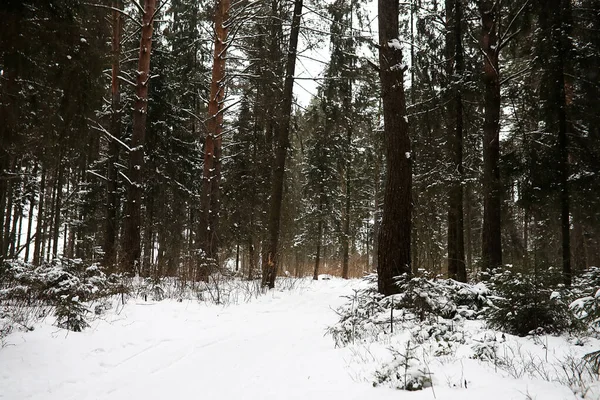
[
  {"x": 395, "y": 232},
  {"x": 491, "y": 251},
  {"x": 270, "y": 263},
  {"x": 376, "y": 210},
  {"x": 112, "y": 197},
  {"x": 454, "y": 70},
  {"x": 554, "y": 22},
  {"x": 131, "y": 234},
  {"x": 563, "y": 145},
  {"x": 211, "y": 178}
]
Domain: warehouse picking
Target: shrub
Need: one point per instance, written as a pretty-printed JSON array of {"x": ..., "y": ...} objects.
[
  {"x": 64, "y": 284},
  {"x": 404, "y": 372},
  {"x": 524, "y": 305}
]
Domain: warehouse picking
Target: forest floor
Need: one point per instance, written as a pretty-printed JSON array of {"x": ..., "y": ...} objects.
[{"x": 273, "y": 347}]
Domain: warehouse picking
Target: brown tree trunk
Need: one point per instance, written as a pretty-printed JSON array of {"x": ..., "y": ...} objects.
[
  {"x": 554, "y": 20},
  {"x": 112, "y": 197},
  {"x": 348, "y": 191},
  {"x": 319, "y": 239},
  {"x": 491, "y": 251},
  {"x": 454, "y": 54},
  {"x": 57, "y": 212},
  {"x": 14, "y": 238},
  {"x": 376, "y": 210},
  {"x": 395, "y": 232},
  {"x": 211, "y": 178},
  {"x": 131, "y": 234},
  {"x": 563, "y": 146},
  {"x": 29, "y": 227},
  {"x": 270, "y": 263},
  {"x": 40, "y": 221},
  {"x": 7, "y": 219}
]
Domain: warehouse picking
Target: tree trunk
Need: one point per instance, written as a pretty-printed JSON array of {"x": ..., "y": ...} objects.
[
  {"x": 376, "y": 210},
  {"x": 554, "y": 22},
  {"x": 454, "y": 71},
  {"x": 395, "y": 232},
  {"x": 348, "y": 177},
  {"x": 211, "y": 178},
  {"x": 131, "y": 234},
  {"x": 57, "y": 206},
  {"x": 491, "y": 251},
  {"x": 563, "y": 145},
  {"x": 29, "y": 226},
  {"x": 112, "y": 197},
  {"x": 270, "y": 263},
  {"x": 319, "y": 239},
  {"x": 40, "y": 220}
]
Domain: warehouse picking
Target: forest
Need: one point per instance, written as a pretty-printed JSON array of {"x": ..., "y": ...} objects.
[
  {"x": 478, "y": 147},
  {"x": 166, "y": 139},
  {"x": 403, "y": 193}
]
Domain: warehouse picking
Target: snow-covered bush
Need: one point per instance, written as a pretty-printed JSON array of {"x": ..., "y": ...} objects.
[
  {"x": 526, "y": 304},
  {"x": 367, "y": 315},
  {"x": 441, "y": 298},
  {"x": 405, "y": 372},
  {"x": 64, "y": 284},
  {"x": 362, "y": 317}
]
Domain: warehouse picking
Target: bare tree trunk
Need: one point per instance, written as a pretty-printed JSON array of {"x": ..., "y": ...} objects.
[
  {"x": 14, "y": 238},
  {"x": 112, "y": 197},
  {"x": 395, "y": 234},
  {"x": 7, "y": 220},
  {"x": 319, "y": 239},
  {"x": 211, "y": 178},
  {"x": 270, "y": 264},
  {"x": 376, "y": 209},
  {"x": 131, "y": 234},
  {"x": 469, "y": 226},
  {"x": 559, "y": 40},
  {"x": 57, "y": 212},
  {"x": 29, "y": 227},
  {"x": 454, "y": 69},
  {"x": 40, "y": 221},
  {"x": 491, "y": 252}
]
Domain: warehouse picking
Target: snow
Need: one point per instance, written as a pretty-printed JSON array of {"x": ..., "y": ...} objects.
[
  {"x": 273, "y": 347},
  {"x": 394, "y": 44}
]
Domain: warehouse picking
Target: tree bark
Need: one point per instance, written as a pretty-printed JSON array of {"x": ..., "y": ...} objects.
[
  {"x": 560, "y": 38},
  {"x": 57, "y": 206},
  {"x": 491, "y": 252},
  {"x": 270, "y": 263},
  {"x": 112, "y": 197},
  {"x": 454, "y": 70},
  {"x": 395, "y": 232},
  {"x": 319, "y": 239},
  {"x": 211, "y": 178},
  {"x": 131, "y": 234},
  {"x": 40, "y": 220}
]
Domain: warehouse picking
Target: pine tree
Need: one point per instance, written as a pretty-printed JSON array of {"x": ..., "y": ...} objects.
[{"x": 395, "y": 235}]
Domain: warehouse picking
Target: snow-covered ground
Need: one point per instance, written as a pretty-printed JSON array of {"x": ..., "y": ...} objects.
[{"x": 271, "y": 348}]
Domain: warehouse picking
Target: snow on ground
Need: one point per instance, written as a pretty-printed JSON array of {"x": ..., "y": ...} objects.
[{"x": 271, "y": 348}]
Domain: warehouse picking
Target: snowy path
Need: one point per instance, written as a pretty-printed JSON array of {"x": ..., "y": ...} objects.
[{"x": 271, "y": 348}]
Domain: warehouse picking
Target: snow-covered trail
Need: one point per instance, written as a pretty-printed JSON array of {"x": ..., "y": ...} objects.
[{"x": 271, "y": 348}]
